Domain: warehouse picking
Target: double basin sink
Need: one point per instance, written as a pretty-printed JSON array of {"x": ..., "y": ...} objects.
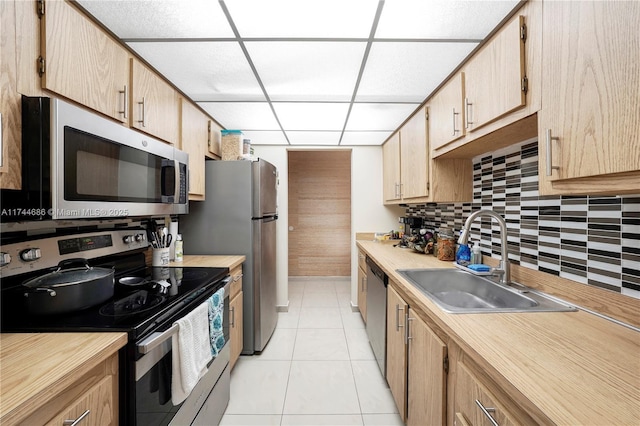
[{"x": 457, "y": 291}]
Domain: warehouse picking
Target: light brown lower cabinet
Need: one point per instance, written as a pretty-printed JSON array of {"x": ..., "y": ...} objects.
[
  {"x": 475, "y": 405},
  {"x": 92, "y": 408},
  {"x": 397, "y": 350},
  {"x": 362, "y": 293},
  {"x": 235, "y": 316}
]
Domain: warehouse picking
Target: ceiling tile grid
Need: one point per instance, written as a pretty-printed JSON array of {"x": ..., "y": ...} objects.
[{"x": 313, "y": 72}]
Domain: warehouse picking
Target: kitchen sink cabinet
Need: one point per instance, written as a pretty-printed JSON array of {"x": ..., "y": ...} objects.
[
  {"x": 397, "y": 310},
  {"x": 154, "y": 105},
  {"x": 589, "y": 122},
  {"x": 391, "y": 169},
  {"x": 447, "y": 114},
  {"x": 475, "y": 405},
  {"x": 362, "y": 286},
  {"x": 235, "y": 316},
  {"x": 194, "y": 136},
  {"x": 82, "y": 62}
]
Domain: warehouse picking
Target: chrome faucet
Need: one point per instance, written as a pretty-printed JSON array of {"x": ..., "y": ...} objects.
[{"x": 504, "y": 268}]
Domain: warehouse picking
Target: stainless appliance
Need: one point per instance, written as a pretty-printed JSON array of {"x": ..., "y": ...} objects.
[
  {"x": 77, "y": 164},
  {"x": 377, "y": 282},
  {"x": 146, "y": 311},
  {"x": 239, "y": 217}
]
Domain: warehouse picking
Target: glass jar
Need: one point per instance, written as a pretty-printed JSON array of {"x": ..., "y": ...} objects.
[{"x": 446, "y": 245}]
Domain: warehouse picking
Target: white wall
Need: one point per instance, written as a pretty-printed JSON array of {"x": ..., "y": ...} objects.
[{"x": 368, "y": 214}]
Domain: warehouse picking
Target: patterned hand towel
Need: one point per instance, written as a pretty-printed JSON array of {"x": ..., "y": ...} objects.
[{"x": 216, "y": 311}]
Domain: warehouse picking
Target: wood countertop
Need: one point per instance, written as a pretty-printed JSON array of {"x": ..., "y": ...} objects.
[
  {"x": 210, "y": 261},
  {"x": 35, "y": 367},
  {"x": 565, "y": 367}
]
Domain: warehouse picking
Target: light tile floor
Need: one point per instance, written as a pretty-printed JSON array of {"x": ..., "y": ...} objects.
[{"x": 318, "y": 368}]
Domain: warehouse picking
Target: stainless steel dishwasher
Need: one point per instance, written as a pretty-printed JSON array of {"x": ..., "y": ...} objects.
[{"x": 377, "y": 282}]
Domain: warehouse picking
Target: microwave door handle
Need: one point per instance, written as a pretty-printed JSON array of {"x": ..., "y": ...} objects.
[{"x": 168, "y": 181}]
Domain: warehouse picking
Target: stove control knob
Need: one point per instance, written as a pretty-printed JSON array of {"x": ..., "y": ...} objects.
[
  {"x": 29, "y": 255},
  {"x": 5, "y": 259},
  {"x": 128, "y": 239},
  {"x": 139, "y": 237}
]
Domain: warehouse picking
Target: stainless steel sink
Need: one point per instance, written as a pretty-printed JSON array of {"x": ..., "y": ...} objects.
[{"x": 457, "y": 291}]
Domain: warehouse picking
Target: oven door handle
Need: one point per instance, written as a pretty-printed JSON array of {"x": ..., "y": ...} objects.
[{"x": 159, "y": 337}]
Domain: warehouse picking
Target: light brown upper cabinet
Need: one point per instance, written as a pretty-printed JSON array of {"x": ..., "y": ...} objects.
[
  {"x": 446, "y": 113},
  {"x": 193, "y": 138},
  {"x": 81, "y": 62},
  {"x": 495, "y": 81},
  {"x": 589, "y": 124},
  {"x": 155, "y": 105},
  {"x": 414, "y": 157},
  {"x": 391, "y": 169}
]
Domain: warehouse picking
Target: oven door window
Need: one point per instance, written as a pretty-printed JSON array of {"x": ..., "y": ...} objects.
[
  {"x": 98, "y": 169},
  {"x": 153, "y": 395}
]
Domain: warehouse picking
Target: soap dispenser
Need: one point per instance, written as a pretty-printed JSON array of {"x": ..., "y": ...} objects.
[{"x": 476, "y": 254}]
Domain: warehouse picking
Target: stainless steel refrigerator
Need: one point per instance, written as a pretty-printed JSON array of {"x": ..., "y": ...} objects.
[{"x": 239, "y": 216}]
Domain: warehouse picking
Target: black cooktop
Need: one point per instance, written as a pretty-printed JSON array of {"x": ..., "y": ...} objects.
[{"x": 134, "y": 309}]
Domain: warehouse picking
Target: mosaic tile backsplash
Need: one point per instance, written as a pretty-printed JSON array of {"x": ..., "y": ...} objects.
[{"x": 594, "y": 240}]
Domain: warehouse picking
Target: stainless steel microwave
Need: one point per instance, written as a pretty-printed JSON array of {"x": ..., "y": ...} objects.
[{"x": 77, "y": 164}]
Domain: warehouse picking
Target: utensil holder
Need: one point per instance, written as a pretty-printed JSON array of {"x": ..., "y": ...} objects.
[{"x": 160, "y": 257}]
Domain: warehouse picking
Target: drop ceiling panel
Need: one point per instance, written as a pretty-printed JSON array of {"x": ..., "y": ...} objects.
[
  {"x": 441, "y": 19},
  {"x": 205, "y": 71},
  {"x": 160, "y": 18},
  {"x": 308, "y": 18},
  {"x": 379, "y": 116},
  {"x": 408, "y": 72},
  {"x": 313, "y": 138},
  {"x": 311, "y": 71},
  {"x": 364, "y": 138},
  {"x": 311, "y": 116},
  {"x": 265, "y": 137},
  {"x": 242, "y": 115}
]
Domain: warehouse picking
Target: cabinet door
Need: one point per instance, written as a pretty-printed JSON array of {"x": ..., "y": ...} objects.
[
  {"x": 95, "y": 407},
  {"x": 155, "y": 105},
  {"x": 493, "y": 78},
  {"x": 470, "y": 395},
  {"x": 590, "y": 89},
  {"x": 446, "y": 113},
  {"x": 391, "y": 168},
  {"x": 362, "y": 293},
  {"x": 414, "y": 157},
  {"x": 397, "y": 350},
  {"x": 82, "y": 62},
  {"x": 214, "y": 139},
  {"x": 194, "y": 134},
  {"x": 427, "y": 377},
  {"x": 236, "y": 326}
]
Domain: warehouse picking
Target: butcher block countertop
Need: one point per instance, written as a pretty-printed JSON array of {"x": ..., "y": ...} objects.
[
  {"x": 210, "y": 261},
  {"x": 35, "y": 367},
  {"x": 571, "y": 368}
]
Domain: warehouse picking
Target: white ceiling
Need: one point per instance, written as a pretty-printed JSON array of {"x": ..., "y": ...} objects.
[{"x": 304, "y": 72}]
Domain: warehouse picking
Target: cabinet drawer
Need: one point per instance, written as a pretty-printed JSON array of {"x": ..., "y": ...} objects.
[
  {"x": 236, "y": 282},
  {"x": 95, "y": 407}
]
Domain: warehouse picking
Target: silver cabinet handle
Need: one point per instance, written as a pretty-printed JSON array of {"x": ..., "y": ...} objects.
[
  {"x": 364, "y": 280},
  {"x": 400, "y": 186},
  {"x": 398, "y": 309},
  {"x": 232, "y": 311},
  {"x": 407, "y": 329},
  {"x": 397, "y": 194},
  {"x": 550, "y": 166},
  {"x": 454, "y": 121},
  {"x": 237, "y": 278},
  {"x": 467, "y": 121},
  {"x": 143, "y": 104},
  {"x": 125, "y": 106},
  {"x": 76, "y": 421},
  {"x": 487, "y": 412}
]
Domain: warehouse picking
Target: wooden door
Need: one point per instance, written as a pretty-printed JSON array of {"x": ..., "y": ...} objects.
[
  {"x": 397, "y": 350},
  {"x": 82, "y": 62},
  {"x": 155, "y": 105},
  {"x": 414, "y": 157},
  {"x": 391, "y": 168},
  {"x": 590, "y": 89},
  {"x": 427, "y": 377},
  {"x": 493, "y": 78},
  {"x": 236, "y": 328},
  {"x": 194, "y": 138},
  {"x": 447, "y": 115},
  {"x": 320, "y": 213}
]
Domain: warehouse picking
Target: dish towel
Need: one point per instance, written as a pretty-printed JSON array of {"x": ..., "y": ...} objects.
[
  {"x": 216, "y": 320},
  {"x": 190, "y": 352}
]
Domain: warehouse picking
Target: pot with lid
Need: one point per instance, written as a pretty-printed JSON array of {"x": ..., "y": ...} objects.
[{"x": 69, "y": 288}]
